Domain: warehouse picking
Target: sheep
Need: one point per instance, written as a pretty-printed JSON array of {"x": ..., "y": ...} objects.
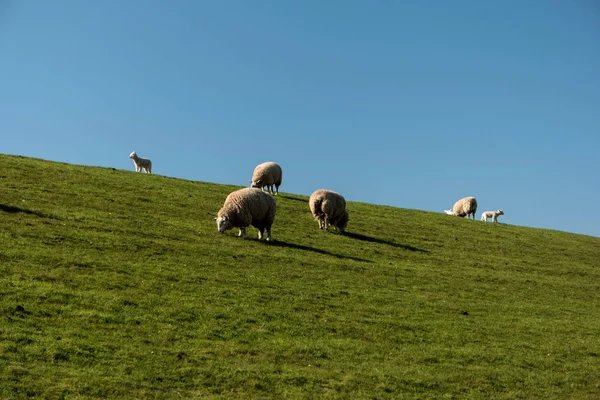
[
  {"x": 464, "y": 208},
  {"x": 491, "y": 214},
  {"x": 329, "y": 207},
  {"x": 140, "y": 163},
  {"x": 267, "y": 174},
  {"x": 244, "y": 207}
]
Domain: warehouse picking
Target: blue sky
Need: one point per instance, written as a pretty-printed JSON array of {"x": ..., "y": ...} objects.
[{"x": 406, "y": 103}]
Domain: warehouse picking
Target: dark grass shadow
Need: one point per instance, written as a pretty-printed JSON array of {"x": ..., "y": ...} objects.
[
  {"x": 14, "y": 210},
  {"x": 295, "y": 246},
  {"x": 365, "y": 238},
  {"x": 293, "y": 198}
]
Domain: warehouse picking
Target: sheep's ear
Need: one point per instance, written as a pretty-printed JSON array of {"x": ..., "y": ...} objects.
[{"x": 215, "y": 218}]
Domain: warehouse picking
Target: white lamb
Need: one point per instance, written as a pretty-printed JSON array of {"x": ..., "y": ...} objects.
[
  {"x": 491, "y": 214},
  {"x": 140, "y": 163}
]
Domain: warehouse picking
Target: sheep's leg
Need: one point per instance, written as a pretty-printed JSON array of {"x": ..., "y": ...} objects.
[
  {"x": 242, "y": 233},
  {"x": 319, "y": 219},
  {"x": 261, "y": 232},
  {"x": 269, "y": 234},
  {"x": 326, "y": 223},
  {"x": 276, "y": 189}
]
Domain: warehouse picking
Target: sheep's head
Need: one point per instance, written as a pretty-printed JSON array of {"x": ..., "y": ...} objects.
[
  {"x": 343, "y": 222},
  {"x": 256, "y": 184},
  {"x": 500, "y": 212},
  {"x": 133, "y": 155},
  {"x": 223, "y": 223},
  {"x": 449, "y": 212}
]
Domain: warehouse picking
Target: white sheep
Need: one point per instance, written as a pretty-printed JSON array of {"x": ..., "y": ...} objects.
[
  {"x": 245, "y": 207},
  {"x": 491, "y": 214},
  {"x": 267, "y": 174},
  {"x": 465, "y": 207},
  {"x": 329, "y": 207},
  {"x": 140, "y": 163}
]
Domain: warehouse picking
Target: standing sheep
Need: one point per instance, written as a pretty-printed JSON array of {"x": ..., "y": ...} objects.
[
  {"x": 491, "y": 214},
  {"x": 329, "y": 207},
  {"x": 245, "y": 207},
  {"x": 267, "y": 174},
  {"x": 464, "y": 208},
  {"x": 140, "y": 163}
]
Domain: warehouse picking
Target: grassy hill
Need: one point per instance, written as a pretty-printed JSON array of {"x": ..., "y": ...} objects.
[{"x": 117, "y": 285}]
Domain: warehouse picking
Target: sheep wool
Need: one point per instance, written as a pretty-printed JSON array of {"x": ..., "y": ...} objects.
[
  {"x": 267, "y": 174},
  {"x": 329, "y": 208},
  {"x": 465, "y": 207},
  {"x": 245, "y": 207},
  {"x": 140, "y": 163}
]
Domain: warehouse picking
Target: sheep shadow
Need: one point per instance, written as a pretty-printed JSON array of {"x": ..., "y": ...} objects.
[
  {"x": 14, "y": 210},
  {"x": 294, "y": 198},
  {"x": 366, "y": 238},
  {"x": 295, "y": 246}
]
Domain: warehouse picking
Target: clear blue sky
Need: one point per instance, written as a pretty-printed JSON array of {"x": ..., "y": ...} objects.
[{"x": 413, "y": 104}]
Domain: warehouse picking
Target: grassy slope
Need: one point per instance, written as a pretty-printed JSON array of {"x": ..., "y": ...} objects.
[{"x": 116, "y": 284}]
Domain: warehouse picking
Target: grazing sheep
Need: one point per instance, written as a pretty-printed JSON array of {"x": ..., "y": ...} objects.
[
  {"x": 140, "y": 163},
  {"x": 464, "y": 208},
  {"x": 329, "y": 207},
  {"x": 267, "y": 174},
  {"x": 244, "y": 207},
  {"x": 491, "y": 214}
]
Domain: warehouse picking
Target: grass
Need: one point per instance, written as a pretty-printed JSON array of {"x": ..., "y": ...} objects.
[{"x": 117, "y": 285}]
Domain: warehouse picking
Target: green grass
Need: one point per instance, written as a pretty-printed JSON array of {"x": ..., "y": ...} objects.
[{"x": 117, "y": 285}]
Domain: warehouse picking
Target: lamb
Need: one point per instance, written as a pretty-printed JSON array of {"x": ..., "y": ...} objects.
[
  {"x": 267, "y": 174},
  {"x": 329, "y": 207},
  {"x": 491, "y": 214},
  {"x": 140, "y": 163},
  {"x": 465, "y": 207},
  {"x": 247, "y": 206}
]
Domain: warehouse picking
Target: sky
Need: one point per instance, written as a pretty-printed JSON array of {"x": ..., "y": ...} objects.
[{"x": 412, "y": 104}]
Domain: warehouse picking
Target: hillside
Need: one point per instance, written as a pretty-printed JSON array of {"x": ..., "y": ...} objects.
[{"x": 117, "y": 285}]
